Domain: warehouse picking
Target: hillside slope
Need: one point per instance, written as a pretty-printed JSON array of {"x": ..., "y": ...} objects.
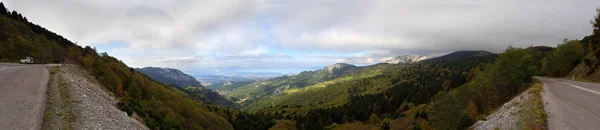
[
  {"x": 157, "y": 106},
  {"x": 429, "y": 78},
  {"x": 273, "y": 86},
  {"x": 459, "y": 54},
  {"x": 405, "y": 59},
  {"x": 170, "y": 76},
  {"x": 187, "y": 84},
  {"x": 76, "y": 102}
]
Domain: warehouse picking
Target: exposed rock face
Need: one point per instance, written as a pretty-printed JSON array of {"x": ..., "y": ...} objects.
[
  {"x": 406, "y": 59},
  {"x": 227, "y": 83},
  {"x": 170, "y": 76},
  {"x": 336, "y": 68},
  {"x": 508, "y": 117}
]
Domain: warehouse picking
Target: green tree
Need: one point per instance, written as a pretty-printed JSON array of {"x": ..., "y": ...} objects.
[
  {"x": 563, "y": 58},
  {"x": 596, "y": 23}
]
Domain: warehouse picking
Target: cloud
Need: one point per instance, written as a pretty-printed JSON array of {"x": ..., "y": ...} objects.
[
  {"x": 304, "y": 34},
  {"x": 431, "y": 26}
]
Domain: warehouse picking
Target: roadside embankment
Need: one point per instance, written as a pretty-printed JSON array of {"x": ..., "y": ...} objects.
[
  {"x": 525, "y": 111},
  {"x": 76, "y": 101}
]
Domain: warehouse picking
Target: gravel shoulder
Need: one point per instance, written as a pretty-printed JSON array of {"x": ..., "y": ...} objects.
[
  {"x": 75, "y": 101},
  {"x": 525, "y": 111}
]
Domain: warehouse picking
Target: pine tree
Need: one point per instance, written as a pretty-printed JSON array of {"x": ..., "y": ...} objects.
[
  {"x": 3, "y": 10},
  {"x": 596, "y": 23}
]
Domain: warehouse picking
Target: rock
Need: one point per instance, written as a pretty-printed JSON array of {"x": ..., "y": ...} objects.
[{"x": 92, "y": 106}]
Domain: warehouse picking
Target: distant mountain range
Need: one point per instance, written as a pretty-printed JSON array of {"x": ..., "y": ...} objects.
[
  {"x": 460, "y": 54},
  {"x": 187, "y": 84},
  {"x": 252, "y": 92},
  {"x": 215, "y": 81},
  {"x": 406, "y": 59},
  {"x": 170, "y": 76},
  {"x": 265, "y": 88},
  {"x": 261, "y": 93}
]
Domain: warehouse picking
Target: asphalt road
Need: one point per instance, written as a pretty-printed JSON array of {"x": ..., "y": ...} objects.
[
  {"x": 22, "y": 96},
  {"x": 571, "y": 105}
]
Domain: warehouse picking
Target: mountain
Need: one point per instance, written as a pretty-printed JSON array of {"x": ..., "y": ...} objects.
[
  {"x": 336, "y": 70},
  {"x": 460, "y": 54},
  {"x": 170, "y": 76},
  {"x": 209, "y": 96},
  {"x": 216, "y": 81},
  {"x": 405, "y": 59},
  {"x": 187, "y": 84},
  {"x": 266, "y": 88},
  {"x": 420, "y": 80},
  {"x": 261, "y": 93}
]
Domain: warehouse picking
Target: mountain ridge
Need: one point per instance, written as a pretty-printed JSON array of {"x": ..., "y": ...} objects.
[
  {"x": 460, "y": 54},
  {"x": 405, "y": 59},
  {"x": 187, "y": 84},
  {"x": 170, "y": 76}
]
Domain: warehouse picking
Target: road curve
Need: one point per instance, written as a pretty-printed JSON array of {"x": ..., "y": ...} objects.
[
  {"x": 22, "y": 96},
  {"x": 571, "y": 105}
]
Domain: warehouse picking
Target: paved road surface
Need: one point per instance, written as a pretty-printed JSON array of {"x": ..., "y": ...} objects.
[
  {"x": 22, "y": 96},
  {"x": 571, "y": 105}
]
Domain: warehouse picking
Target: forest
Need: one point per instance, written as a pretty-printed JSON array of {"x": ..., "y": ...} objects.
[{"x": 440, "y": 94}]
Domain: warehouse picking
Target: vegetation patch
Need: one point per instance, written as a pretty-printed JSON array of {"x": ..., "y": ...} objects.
[
  {"x": 533, "y": 112},
  {"x": 54, "y": 70},
  {"x": 66, "y": 104}
]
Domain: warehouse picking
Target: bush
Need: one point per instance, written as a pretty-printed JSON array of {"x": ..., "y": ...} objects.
[
  {"x": 54, "y": 70},
  {"x": 563, "y": 59}
]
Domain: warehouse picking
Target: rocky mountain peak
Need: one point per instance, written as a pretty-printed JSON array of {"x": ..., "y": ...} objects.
[
  {"x": 338, "y": 66},
  {"x": 406, "y": 59}
]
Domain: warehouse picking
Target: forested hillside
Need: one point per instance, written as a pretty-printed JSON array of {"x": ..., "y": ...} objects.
[
  {"x": 415, "y": 82},
  {"x": 264, "y": 89},
  {"x": 170, "y": 76},
  {"x": 158, "y": 105},
  {"x": 415, "y": 102},
  {"x": 187, "y": 84}
]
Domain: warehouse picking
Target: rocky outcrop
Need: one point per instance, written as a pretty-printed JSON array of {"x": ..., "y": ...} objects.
[{"x": 405, "y": 59}]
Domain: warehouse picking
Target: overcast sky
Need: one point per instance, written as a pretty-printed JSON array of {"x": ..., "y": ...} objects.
[{"x": 205, "y": 36}]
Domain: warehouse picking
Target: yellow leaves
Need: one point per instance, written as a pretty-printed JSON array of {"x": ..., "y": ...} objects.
[
  {"x": 355, "y": 126},
  {"x": 423, "y": 124},
  {"x": 119, "y": 90},
  {"x": 284, "y": 125},
  {"x": 472, "y": 110},
  {"x": 374, "y": 119}
]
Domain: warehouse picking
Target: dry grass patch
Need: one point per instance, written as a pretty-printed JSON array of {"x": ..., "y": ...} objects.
[{"x": 533, "y": 113}]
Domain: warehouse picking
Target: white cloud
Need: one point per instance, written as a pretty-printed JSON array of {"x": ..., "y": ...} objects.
[{"x": 263, "y": 33}]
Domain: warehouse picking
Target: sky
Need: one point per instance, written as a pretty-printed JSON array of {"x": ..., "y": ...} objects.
[{"x": 289, "y": 36}]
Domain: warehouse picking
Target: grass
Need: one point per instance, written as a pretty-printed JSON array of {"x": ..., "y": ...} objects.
[
  {"x": 534, "y": 115},
  {"x": 48, "y": 113},
  {"x": 66, "y": 105},
  {"x": 58, "y": 107},
  {"x": 54, "y": 70}
]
